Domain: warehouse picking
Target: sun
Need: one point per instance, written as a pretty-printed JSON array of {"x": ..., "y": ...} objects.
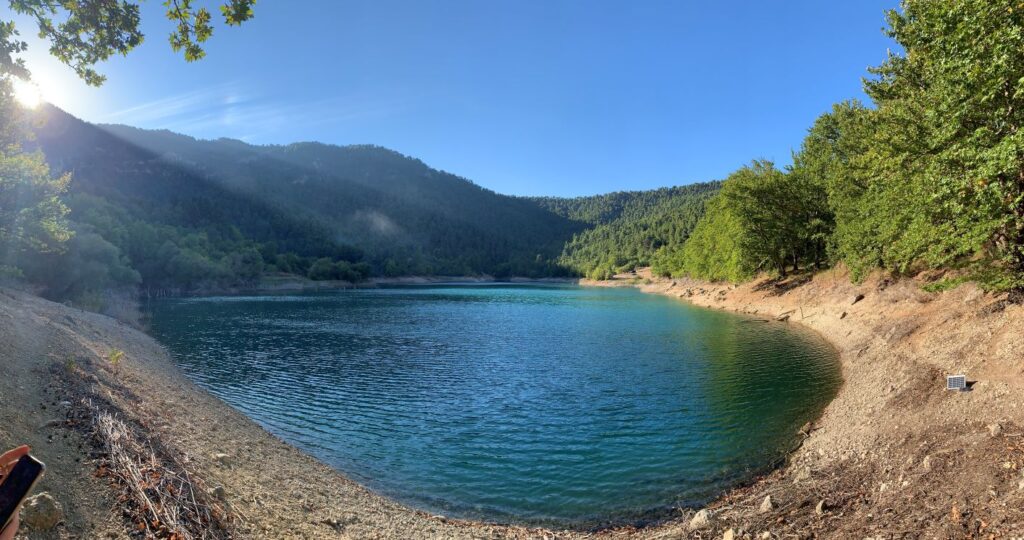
[{"x": 27, "y": 94}]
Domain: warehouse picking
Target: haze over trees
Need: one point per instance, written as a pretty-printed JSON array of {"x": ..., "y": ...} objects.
[
  {"x": 35, "y": 233},
  {"x": 188, "y": 213}
]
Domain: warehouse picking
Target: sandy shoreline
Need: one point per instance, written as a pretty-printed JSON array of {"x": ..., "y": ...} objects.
[{"x": 865, "y": 459}]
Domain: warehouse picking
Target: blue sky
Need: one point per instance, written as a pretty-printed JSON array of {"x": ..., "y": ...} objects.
[{"x": 532, "y": 97}]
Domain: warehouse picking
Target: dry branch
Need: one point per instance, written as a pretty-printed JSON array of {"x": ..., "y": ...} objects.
[{"x": 164, "y": 500}]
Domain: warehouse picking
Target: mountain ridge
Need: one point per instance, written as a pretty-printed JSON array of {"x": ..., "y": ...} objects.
[{"x": 190, "y": 213}]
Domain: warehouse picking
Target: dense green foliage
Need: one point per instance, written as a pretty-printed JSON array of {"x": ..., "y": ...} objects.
[
  {"x": 32, "y": 214},
  {"x": 762, "y": 218},
  {"x": 83, "y": 34},
  {"x": 946, "y": 147},
  {"x": 629, "y": 228},
  {"x": 931, "y": 177}
]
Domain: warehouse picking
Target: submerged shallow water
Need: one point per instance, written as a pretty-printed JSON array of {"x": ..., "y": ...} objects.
[{"x": 537, "y": 404}]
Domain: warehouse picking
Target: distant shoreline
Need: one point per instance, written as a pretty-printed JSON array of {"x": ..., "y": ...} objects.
[{"x": 286, "y": 283}]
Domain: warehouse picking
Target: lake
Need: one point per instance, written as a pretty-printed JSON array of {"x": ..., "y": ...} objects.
[{"x": 554, "y": 405}]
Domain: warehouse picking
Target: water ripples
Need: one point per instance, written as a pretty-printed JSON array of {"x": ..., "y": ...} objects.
[{"x": 543, "y": 405}]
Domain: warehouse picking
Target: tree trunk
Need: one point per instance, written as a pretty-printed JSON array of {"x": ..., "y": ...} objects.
[{"x": 1016, "y": 238}]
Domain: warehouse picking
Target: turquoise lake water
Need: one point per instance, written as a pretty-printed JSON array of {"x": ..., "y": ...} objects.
[{"x": 554, "y": 405}]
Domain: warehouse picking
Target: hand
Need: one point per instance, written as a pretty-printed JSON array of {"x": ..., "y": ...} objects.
[{"x": 7, "y": 461}]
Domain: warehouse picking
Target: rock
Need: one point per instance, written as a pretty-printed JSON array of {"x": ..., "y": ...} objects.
[
  {"x": 995, "y": 430},
  {"x": 765, "y": 535},
  {"x": 993, "y": 308},
  {"x": 926, "y": 463},
  {"x": 701, "y": 520},
  {"x": 820, "y": 509},
  {"x": 51, "y": 423},
  {"x": 339, "y": 524},
  {"x": 223, "y": 460},
  {"x": 729, "y": 535},
  {"x": 218, "y": 493},
  {"x": 767, "y": 505},
  {"x": 856, "y": 298},
  {"x": 41, "y": 512},
  {"x": 334, "y": 524},
  {"x": 802, "y": 474},
  {"x": 973, "y": 295}
]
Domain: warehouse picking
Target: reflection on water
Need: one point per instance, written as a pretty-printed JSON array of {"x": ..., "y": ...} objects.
[{"x": 534, "y": 404}]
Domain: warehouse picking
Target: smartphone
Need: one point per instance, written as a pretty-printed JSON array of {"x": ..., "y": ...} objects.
[{"x": 16, "y": 486}]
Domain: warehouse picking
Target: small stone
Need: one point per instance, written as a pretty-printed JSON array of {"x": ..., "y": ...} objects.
[
  {"x": 701, "y": 520},
  {"x": 995, "y": 430},
  {"x": 801, "y": 475},
  {"x": 765, "y": 535},
  {"x": 820, "y": 509},
  {"x": 729, "y": 535},
  {"x": 41, "y": 512},
  {"x": 218, "y": 493},
  {"x": 856, "y": 298},
  {"x": 767, "y": 505},
  {"x": 50, "y": 424},
  {"x": 223, "y": 460},
  {"x": 926, "y": 463}
]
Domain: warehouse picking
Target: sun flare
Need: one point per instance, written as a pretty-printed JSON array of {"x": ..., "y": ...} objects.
[{"x": 27, "y": 94}]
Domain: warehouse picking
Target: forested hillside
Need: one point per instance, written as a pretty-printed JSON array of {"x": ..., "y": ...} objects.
[
  {"x": 407, "y": 217},
  {"x": 159, "y": 211},
  {"x": 629, "y": 227},
  {"x": 164, "y": 211}
]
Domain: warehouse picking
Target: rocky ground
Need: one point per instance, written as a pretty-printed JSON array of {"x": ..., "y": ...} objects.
[{"x": 894, "y": 456}]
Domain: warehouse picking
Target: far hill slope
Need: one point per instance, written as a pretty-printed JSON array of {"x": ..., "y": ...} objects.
[
  {"x": 206, "y": 200},
  {"x": 170, "y": 212},
  {"x": 402, "y": 212},
  {"x": 629, "y": 227}
]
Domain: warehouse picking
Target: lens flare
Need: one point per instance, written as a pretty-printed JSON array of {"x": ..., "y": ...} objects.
[{"x": 27, "y": 94}]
